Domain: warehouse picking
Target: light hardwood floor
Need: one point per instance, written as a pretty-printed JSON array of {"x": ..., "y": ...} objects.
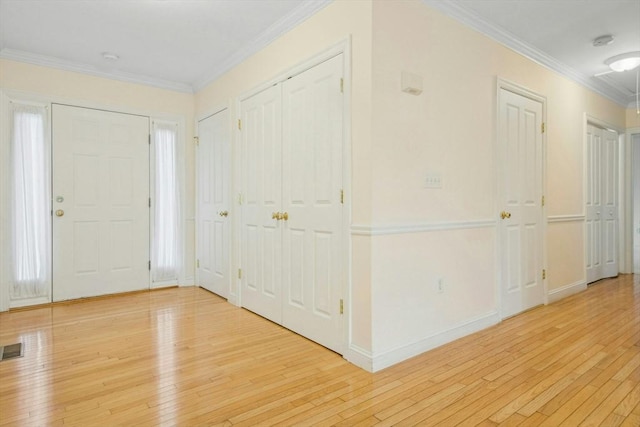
[{"x": 186, "y": 357}]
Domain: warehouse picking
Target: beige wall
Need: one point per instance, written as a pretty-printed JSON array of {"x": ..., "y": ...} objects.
[
  {"x": 450, "y": 129},
  {"x": 633, "y": 119}
]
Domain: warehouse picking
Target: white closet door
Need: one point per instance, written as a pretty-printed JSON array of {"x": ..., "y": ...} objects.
[
  {"x": 312, "y": 182},
  {"x": 261, "y": 234},
  {"x": 601, "y": 204},
  {"x": 520, "y": 157},
  {"x": 213, "y": 239},
  {"x": 594, "y": 204},
  {"x": 100, "y": 202},
  {"x": 609, "y": 203}
]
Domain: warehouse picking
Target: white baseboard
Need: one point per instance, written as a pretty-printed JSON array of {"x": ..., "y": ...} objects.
[
  {"x": 359, "y": 357},
  {"x": 565, "y": 291},
  {"x": 376, "y": 362}
]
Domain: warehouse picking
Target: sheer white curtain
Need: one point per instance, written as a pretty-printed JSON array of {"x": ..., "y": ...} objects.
[
  {"x": 165, "y": 253},
  {"x": 30, "y": 203}
]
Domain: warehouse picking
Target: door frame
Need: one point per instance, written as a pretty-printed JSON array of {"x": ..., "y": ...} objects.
[
  {"x": 342, "y": 47},
  {"x": 627, "y": 172},
  {"x": 624, "y": 185},
  {"x": 504, "y": 84},
  {"x": 9, "y": 95}
]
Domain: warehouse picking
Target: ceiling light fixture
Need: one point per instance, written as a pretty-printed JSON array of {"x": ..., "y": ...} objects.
[
  {"x": 603, "y": 40},
  {"x": 110, "y": 56},
  {"x": 624, "y": 62}
]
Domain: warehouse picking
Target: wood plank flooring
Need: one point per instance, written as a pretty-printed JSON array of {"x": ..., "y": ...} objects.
[{"x": 183, "y": 356}]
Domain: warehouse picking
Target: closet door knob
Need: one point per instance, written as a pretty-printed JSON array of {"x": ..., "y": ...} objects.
[{"x": 224, "y": 213}]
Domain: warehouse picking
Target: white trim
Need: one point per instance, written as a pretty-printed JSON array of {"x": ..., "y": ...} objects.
[
  {"x": 61, "y": 64},
  {"x": 397, "y": 355},
  {"x": 359, "y": 357},
  {"x": 279, "y": 28},
  {"x": 470, "y": 19},
  {"x": 567, "y": 290},
  {"x": 5, "y": 201},
  {"x": 26, "y": 302},
  {"x": 419, "y": 227},
  {"x": 551, "y": 219}
]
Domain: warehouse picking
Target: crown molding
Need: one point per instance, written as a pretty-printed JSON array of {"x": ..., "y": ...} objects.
[
  {"x": 509, "y": 40},
  {"x": 280, "y": 27},
  {"x": 48, "y": 61}
]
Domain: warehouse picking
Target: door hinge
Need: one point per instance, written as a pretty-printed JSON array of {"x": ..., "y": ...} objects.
[
  {"x": 197, "y": 263},
  {"x": 543, "y": 127},
  {"x": 239, "y": 124},
  {"x": 239, "y": 198},
  {"x": 149, "y": 201},
  {"x": 341, "y": 196},
  {"x": 239, "y": 273},
  {"x": 149, "y": 265},
  {"x": 542, "y": 200},
  {"x": 341, "y": 306},
  {"x": 544, "y": 274},
  {"x": 341, "y": 85},
  {"x": 149, "y": 139},
  {"x": 196, "y": 140}
]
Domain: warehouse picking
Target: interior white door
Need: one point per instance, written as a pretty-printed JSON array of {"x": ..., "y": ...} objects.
[
  {"x": 213, "y": 237},
  {"x": 261, "y": 235},
  {"x": 312, "y": 184},
  {"x": 292, "y": 240},
  {"x": 594, "y": 204},
  {"x": 520, "y": 154},
  {"x": 635, "y": 173},
  {"x": 609, "y": 203},
  {"x": 100, "y": 202},
  {"x": 601, "y": 204}
]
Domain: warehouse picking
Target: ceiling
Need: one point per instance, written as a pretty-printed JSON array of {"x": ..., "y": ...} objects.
[{"x": 185, "y": 44}]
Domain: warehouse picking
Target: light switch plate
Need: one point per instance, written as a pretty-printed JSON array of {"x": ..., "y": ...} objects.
[{"x": 433, "y": 180}]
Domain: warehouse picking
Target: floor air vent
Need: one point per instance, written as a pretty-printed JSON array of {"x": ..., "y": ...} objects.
[{"x": 11, "y": 351}]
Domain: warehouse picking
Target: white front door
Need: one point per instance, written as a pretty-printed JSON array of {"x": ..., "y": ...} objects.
[
  {"x": 292, "y": 240},
  {"x": 100, "y": 202},
  {"x": 601, "y": 203},
  {"x": 520, "y": 154},
  {"x": 312, "y": 183},
  {"x": 213, "y": 203}
]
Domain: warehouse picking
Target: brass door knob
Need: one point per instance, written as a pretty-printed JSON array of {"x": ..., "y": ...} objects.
[
  {"x": 224, "y": 213},
  {"x": 285, "y": 216},
  {"x": 505, "y": 215},
  {"x": 276, "y": 216},
  {"x": 59, "y": 212}
]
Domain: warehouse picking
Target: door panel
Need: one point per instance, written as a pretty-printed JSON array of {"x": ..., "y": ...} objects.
[
  {"x": 213, "y": 239},
  {"x": 312, "y": 182},
  {"x": 101, "y": 183},
  {"x": 601, "y": 204},
  {"x": 261, "y": 252},
  {"x": 520, "y": 152}
]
